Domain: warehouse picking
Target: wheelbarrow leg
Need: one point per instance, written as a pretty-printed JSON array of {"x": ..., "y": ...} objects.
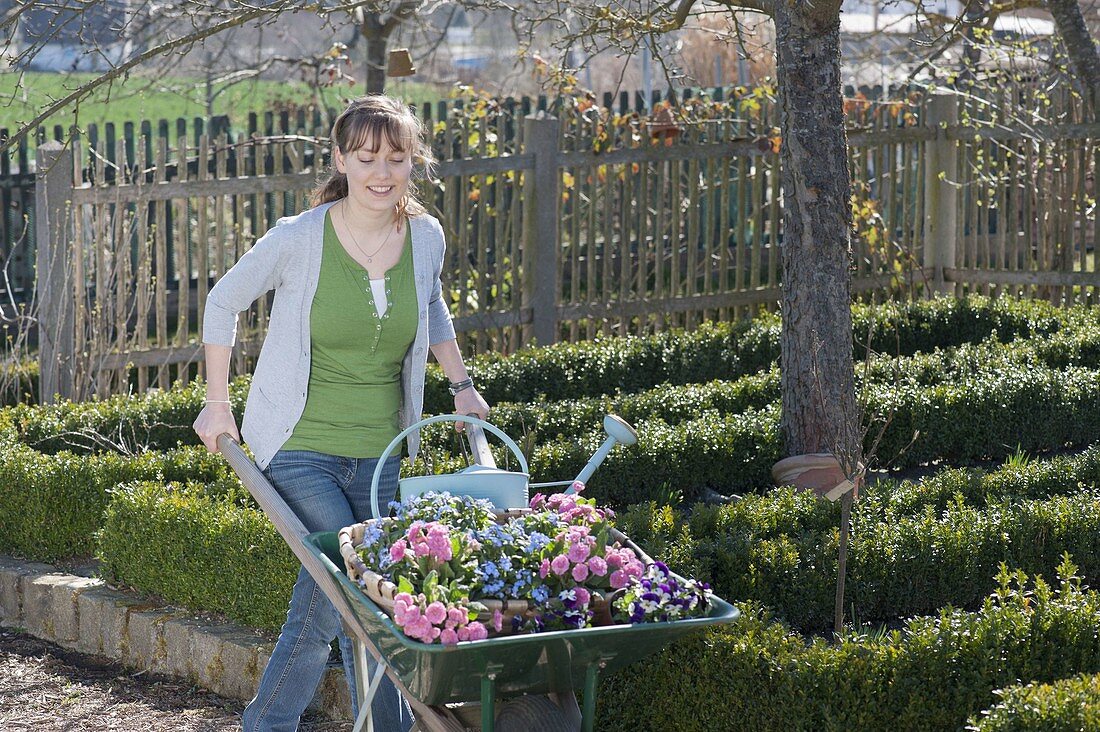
[
  {"x": 365, "y": 692},
  {"x": 488, "y": 702},
  {"x": 591, "y": 676}
]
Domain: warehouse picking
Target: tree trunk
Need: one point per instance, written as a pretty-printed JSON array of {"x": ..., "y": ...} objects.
[
  {"x": 1080, "y": 47},
  {"x": 819, "y": 405},
  {"x": 376, "y": 39}
]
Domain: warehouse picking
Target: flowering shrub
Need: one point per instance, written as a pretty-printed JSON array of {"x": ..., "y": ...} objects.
[{"x": 449, "y": 555}]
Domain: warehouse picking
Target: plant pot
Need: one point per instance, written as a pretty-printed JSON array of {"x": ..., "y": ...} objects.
[{"x": 818, "y": 472}]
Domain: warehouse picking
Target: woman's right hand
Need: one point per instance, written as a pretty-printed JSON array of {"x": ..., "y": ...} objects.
[{"x": 213, "y": 420}]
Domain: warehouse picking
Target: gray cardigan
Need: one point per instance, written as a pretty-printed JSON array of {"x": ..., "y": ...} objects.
[{"x": 287, "y": 259}]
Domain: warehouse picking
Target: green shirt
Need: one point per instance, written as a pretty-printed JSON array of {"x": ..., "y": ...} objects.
[{"x": 355, "y": 357}]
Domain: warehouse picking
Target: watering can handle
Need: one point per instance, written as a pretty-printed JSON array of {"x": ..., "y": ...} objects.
[
  {"x": 479, "y": 445},
  {"x": 432, "y": 420}
]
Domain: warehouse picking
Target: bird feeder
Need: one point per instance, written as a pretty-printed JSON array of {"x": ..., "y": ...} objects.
[{"x": 400, "y": 63}]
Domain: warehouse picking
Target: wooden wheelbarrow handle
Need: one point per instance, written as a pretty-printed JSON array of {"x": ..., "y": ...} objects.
[{"x": 292, "y": 530}]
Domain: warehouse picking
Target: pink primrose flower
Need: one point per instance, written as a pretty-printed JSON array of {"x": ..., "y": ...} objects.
[
  {"x": 614, "y": 558},
  {"x": 425, "y": 631},
  {"x": 537, "y": 501},
  {"x": 457, "y": 616},
  {"x": 560, "y": 565},
  {"x": 597, "y": 566},
  {"x": 580, "y": 572},
  {"x": 578, "y": 552},
  {"x": 397, "y": 551},
  {"x": 498, "y": 620},
  {"x": 439, "y": 542},
  {"x": 477, "y": 631},
  {"x": 436, "y": 613},
  {"x": 463, "y": 632},
  {"x": 583, "y": 596},
  {"x": 619, "y": 579},
  {"x": 578, "y": 486},
  {"x": 544, "y": 568},
  {"x": 448, "y": 637}
]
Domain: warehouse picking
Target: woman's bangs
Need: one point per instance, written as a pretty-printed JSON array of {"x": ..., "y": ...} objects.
[{"x": 366, "y": 133}]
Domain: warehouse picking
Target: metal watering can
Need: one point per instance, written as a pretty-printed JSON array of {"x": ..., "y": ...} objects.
[{"x": 483, "y": 479}]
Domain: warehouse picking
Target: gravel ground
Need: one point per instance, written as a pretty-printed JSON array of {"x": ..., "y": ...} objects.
[{"x": 46, "y": 688}]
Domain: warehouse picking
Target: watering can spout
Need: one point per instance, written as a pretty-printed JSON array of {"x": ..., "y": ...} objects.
[{"x": 618, "y": 430}]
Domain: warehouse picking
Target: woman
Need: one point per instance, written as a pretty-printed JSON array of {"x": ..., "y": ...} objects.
[{"x": 357, "y": 306}]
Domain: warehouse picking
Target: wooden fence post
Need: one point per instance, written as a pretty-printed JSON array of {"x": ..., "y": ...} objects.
[
  {"x": 53, "y": 271},
  {"x": 541, "y": 225},
  {"x": 941, "y": 209}
]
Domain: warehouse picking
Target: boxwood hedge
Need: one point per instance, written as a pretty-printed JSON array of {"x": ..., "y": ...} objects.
[
  {"x": 780, "y": 549},
  {"x": 197, "y": 546},
  {"x": 932, "y": 674},
  {"x": 728, "y": 351},
  {"x": 1066, "y": 705},
  {"x": 52, "y": 505}
]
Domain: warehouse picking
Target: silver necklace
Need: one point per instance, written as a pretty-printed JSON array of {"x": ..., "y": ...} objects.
[{"x": 347, "y": 228}]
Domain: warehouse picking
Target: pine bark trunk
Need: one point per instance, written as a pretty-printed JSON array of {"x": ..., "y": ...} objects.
[
  {"x": 1080, "y": 47},
  {"x": 819, "y": 406}
]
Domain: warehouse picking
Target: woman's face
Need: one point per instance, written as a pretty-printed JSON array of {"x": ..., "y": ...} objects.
[{"x": 377, "y": 181}]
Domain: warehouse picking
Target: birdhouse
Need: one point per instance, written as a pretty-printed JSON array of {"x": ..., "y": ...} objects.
[
  {"x": 400, "y": 63},
  {"x": 663, "y": 124}
]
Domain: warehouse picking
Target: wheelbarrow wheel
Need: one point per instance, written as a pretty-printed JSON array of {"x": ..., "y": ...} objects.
[{"x": 532, "y": 713}]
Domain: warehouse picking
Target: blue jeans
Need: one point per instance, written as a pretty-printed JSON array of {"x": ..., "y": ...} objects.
[{"x": 327, "y": 493}]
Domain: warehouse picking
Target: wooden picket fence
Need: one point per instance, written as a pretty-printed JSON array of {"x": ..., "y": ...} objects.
[{"x": 556, "y": 229}]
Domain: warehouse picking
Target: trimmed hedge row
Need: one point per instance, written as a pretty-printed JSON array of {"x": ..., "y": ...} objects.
[
  {"x": 933, "y": 674},
  {"x": 728, "y": 351},
  {"x": 674, "y": 404},
  {"x": 570, "y": 418},
  {"x": 1032, "y": 478},
  {"x": 52, "y": 505},
  {"x": 781, "y": 511},
  {"x": 162, "y": 419},
  {"x": 780, "y": 550},
  {"x": 671, "y": 463},
  {"x": 191, "y": 547},
  {"x": 156, "y": 420},
  {"x": 609, "y": 365},
  {"x": 1030, "y": 409},
  {"x": 988, "y": 416},
  {"x": 196, "y": 546},
  {"x": 1067, "y": 705}
]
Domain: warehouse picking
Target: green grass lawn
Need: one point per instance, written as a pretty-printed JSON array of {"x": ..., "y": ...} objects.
[{"x": 139, "y": 98}]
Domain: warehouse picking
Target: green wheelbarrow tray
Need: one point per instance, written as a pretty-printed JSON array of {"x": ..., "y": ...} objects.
[{"x": 526, "y": 663}]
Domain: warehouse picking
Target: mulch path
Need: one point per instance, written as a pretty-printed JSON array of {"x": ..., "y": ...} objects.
[{"x": 46, "y": 688}]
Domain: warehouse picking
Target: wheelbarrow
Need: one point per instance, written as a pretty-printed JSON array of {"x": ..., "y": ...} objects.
[{"x": 457, "y": 688}]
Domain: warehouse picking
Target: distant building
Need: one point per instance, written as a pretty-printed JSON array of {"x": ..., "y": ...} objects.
[
  {"x": 884, "y": 48},
  {"x": 94, "y": 37}
]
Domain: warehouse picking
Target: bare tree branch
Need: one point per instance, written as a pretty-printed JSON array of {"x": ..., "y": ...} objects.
[{"x": 220, "y": 19}]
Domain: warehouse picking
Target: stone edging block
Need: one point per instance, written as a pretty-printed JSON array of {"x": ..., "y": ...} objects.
[{"x": 85, "y": 615}]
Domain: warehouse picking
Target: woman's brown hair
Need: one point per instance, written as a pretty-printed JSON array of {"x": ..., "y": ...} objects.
[{"x": 362, "y": 125}]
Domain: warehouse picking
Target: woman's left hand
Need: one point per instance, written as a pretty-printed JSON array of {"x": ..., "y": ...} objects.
[{"x": 469, "y": 401}]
